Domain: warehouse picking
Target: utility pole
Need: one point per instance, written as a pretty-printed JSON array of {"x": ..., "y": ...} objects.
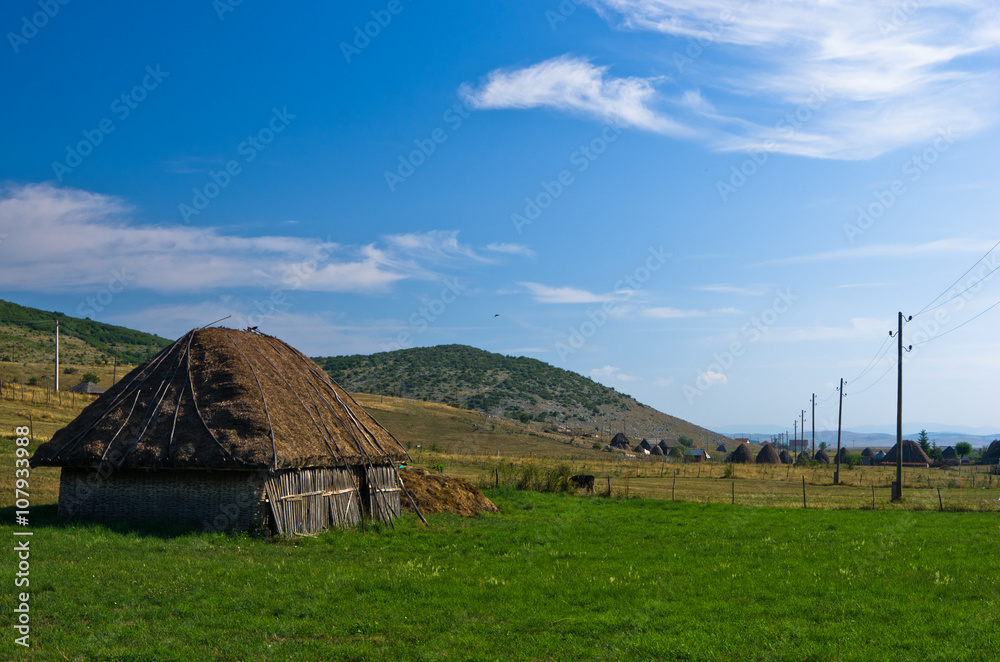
[
  {"x": 897, "y": 492},
  {"x": 803, "y": 417},
  {"x": 795, "y": 427},
  {"x": 57, "y": 356},
  {"x": 840, "y": 412},
  {"x": 814, "y": 424}
]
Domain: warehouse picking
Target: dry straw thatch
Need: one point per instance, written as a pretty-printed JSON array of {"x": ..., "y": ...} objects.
[
  {"x": 992, "y": 453},
  {"x": 657, "y": 451},
  {"x": 785, "y": 457},
  {"x": 867, "y": 452},
  {"x": 222, "y": 416},
  {"x": 822, "y": 457},
  {"x": 802, "y": 457},
  {"x": 768, "y": 455},
  {"x": 842, "y": 454},
  {"x": 621, "y": 441},
  {"x": 912, "y": 454},
  {"x": 742, "y": 455}
]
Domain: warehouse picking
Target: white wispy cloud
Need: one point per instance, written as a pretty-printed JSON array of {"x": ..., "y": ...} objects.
[
  {"x": 610, "y": 374},
  {"x": 730, "y": 289},
  {"x": 72, "y": 240},
  {"x": 939, "y": 247},
  {"x": 511, "y": 249},
  {"x": 546, "y": 294},
  {"x": 857, "y": 78},
  {"x": 574, "y": 84}
]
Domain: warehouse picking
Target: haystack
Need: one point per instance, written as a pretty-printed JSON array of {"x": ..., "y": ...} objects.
[
  {"x": 437, "y": 493},
  {"x": 664, "y": 446},
  {"x": 621, "y": 441},
  {"x": 992, "y": 453},
  {"x": 227, "y": 429},
  {"x": 722, "y": 448},
  {"x": 741, "y": 455},
  {"x": 657, "y": 451},
  {"x": 802, "y": 457},
  {"x": 768, "y": 455},
  {"x": 785, "y": 457},
  {"x": 822, "y": 457},
  {"x": 842, "y": 455},
  {"x": 867, "y": 452},
  {"x": 913, "y": 454}
]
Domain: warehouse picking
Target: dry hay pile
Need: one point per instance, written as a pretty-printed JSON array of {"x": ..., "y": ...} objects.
[
  {"x": 768, "y": 455},
  {"x": 437, "y": 493},
  {"x": 802, "y": 458},
  {"x": 912, "y": 453},
  {"x": 741, "y": 455},
  {"x": 867, "y": 452},
  {"x": 822, "y": 457},
  {"x": 786, "y": 457}
]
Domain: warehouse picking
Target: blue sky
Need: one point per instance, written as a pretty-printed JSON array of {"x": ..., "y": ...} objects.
[{"x": 715, "y": 206}]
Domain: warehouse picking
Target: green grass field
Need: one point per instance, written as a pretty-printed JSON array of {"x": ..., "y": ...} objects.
[{"x": 552, "y": 577}]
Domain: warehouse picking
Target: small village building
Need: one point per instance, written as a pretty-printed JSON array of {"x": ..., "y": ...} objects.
[
  {"x": 227, "y": 430},
  {"x": 913, "y": 455},
  {"x": 949, "y": 453},
  {"x": 696, "y": 455}
]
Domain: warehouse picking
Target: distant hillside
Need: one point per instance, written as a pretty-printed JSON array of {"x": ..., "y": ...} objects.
[
  {"x": 509, "y": 387},
  {"x": 28, "y": 335}
]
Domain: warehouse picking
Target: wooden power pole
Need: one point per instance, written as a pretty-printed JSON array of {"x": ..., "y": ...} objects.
[
  {"x": 803, "y": 417},
  {"x": 814, "y": 424},
  {"x": 840, "y": 413},
  {"x": 57, "y": 356},
  {"x": 897, "y": 488}
]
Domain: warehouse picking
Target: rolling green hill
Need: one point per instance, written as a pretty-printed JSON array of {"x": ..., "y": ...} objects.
[
  {"x": 509, "y": 387},
  {"x": 28, "y": 335}
]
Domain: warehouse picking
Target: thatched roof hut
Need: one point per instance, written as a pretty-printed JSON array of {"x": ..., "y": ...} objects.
[
  {"x": 913, "y": 454},
  {"x": 992, "y": 451},
  {"x": 722, "y": 448},
  {"x": 822, "y": 457},
  {"x": 785, "y": 457},
  {"x": 664, "y": 446},
  {"x": 645, "y": 445},
  {"x": 768, "y": 455},
  {"x": 949, "y": 453},
  {"x": 879, "y": 456},
  {"x": 621, "y": 441},
  {"x": 842, "y": 454},
  {"x": 867, "y": 452},
  {"x": 742, "y": 455},
  {"x": 229, "y": 430}
]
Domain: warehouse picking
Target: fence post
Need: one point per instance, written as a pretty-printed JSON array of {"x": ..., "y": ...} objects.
[
  {"x": 873, "y": 496},
  {"x": 672, "y": 486},
  {"x": 940, "y": 502},
  {"x": 496, "y": 483},
  {"x": 609, "y": 486},
  {"x": 734, "y": 492},
  {"x": 804, "y": 492}
]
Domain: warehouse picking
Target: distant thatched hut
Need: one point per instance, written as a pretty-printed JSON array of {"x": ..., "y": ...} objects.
[
  {"x": 722, "y": 448},
  {"x": 89, "y": 388},
  {"x": 867, "y": 452},
  {"x": 664, "y": 446},
  {"x": 913, "y": 455},
  {"x": 227, "y": 429},
  {"x": 741, "y": 455},
  {"x": 644, "y": 445},
  {"x": 621, "y": 441},
  {"x": 842, "y": 454},
  {"x": 992, "y": 453},
  {"x": 785, "y": 457},
  {"x": 822, "y": 457},
  {"x": 949, "y": 453},
  {"x": 768, "y": 455}
]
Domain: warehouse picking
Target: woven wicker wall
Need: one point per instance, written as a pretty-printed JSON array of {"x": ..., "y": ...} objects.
[
  {"x": 215, "y": 501},
  {"x": 381, "y": 493},
  {"x": 311, "y": 500}
]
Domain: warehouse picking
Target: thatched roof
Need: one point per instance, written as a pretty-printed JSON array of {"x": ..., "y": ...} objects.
[
  {"x": 842, "y": 453},
  {"x": 912, "y": 453},
  {"x": 664, "y": 446},
  {"x": 621, "y": 441},
  {"x": 741, "y": 455},
  {"x": 223, "y": 399},
  {"x": 768, "y": 455},
  {"x": 87, "y": 387},
  {"x": 644, "y": 444},
  {"x": 949, "y": 453},
  {"x": 822, "y": 457},
  {"x": 785, "y": 457},
  {"x": 993, "y": 451},
  {"x": 867, "y": 452},
  {"x": 722, "y": 448}
]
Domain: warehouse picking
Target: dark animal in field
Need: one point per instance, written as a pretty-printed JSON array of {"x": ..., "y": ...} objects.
[{"x": 584, "y": 481}]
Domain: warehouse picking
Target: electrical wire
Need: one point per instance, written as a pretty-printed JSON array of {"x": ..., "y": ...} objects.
[
  {"x": 891, "y": 366},
  {"x": 955, "y": 296},
  {"x": 924, "y": 342},
  {"x": 959, "y": 278},
  {"x": 879, "y": 353}
]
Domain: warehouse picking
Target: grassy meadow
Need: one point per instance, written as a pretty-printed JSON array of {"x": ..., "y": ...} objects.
[{"x": 556, "y": 575}]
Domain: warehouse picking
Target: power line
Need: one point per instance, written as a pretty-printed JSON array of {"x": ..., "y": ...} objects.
[
  {"x": 924, "y": 342},
  {"x": 959, "y": 278},
  {"x": 891, "y": 366},
  {"x": 955, "y": 296},
  {"x": 876, "y": 358}
]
